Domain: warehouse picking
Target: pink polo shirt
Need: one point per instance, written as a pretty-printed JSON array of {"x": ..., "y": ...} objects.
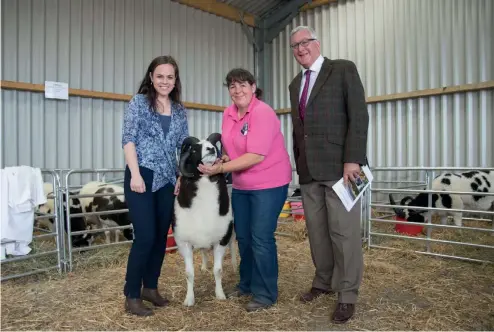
[{"x": 258, "y": 131}]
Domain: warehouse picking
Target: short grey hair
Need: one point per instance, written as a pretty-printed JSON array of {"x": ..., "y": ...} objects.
[{"x": 304, "y": 27}]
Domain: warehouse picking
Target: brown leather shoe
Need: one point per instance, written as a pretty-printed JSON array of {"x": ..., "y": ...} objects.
[
  {"x": 153, "y": 296},
  {"x": 236, "y": 293},
  {"x": 136, "y": 307},
  {"x": 343, "y": 312},
  {"x": 256, "y": 306},
  {"x": 313, "y": 294}
]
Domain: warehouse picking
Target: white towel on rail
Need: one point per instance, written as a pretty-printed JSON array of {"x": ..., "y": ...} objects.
[{"x": 22, "y": 191}]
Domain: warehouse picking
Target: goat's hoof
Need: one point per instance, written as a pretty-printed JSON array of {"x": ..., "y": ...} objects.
[
  {"x": 189, "y": 301},
  {"x": 220, "y": 295}
]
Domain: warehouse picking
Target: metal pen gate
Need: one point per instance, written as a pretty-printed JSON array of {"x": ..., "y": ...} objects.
[
  {"x": 371, "y": 203},
  {"x": 32, "y": 260},
  {"x": 456, "y": 233}
]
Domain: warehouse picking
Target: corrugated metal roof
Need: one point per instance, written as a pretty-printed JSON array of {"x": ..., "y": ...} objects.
[{"x": 255, "y": 7}]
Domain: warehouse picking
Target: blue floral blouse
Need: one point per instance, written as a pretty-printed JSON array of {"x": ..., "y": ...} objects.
[{"x": 141, "y": 125}]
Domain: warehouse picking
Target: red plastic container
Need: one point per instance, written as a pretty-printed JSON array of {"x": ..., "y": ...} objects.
[
  {"x": 407, "y": 229},
  {"x": 297, "y": 208},
  {"x": 170, "y": 241}
]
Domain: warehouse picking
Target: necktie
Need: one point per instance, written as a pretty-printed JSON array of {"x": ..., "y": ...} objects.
[{"x": 303, "y": 98}]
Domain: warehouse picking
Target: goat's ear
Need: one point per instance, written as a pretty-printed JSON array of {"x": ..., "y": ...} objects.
[{"x": 215, "y": 138}]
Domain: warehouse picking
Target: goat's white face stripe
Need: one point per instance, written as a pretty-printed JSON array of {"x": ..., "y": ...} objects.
[{"x": 207, "y": 157}]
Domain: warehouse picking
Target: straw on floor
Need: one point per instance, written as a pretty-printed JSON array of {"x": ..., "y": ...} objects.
[{"x": 400, "y": 291}]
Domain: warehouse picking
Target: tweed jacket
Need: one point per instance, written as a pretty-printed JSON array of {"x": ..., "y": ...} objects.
[
  {"x": 335, "y": 126},
  {"x": 155, "y": 150}
]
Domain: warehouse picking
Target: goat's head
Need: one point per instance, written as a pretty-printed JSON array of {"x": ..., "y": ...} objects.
[
  {"x": 409, "y": 214},
  {"x": 195, "y": 152}
]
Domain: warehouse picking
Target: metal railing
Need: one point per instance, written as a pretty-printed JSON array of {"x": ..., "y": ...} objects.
[
  {"x": 34, "y": 256},
  {"x": 64, "y": 191},
  {"x": 428, "y": 225}
]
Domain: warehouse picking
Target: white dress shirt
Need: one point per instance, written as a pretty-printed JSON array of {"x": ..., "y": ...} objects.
[{"x": 315, "y": 69}]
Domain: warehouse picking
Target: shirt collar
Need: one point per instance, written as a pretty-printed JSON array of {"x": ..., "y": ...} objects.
[
  {"x": 316, "y": 66},
  {"x": 234, "y": 109}
]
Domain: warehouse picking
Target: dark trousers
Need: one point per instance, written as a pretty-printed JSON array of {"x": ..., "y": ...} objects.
[
  {"x": 151, "y": 214},
  {"x": 255, "y": 213}
]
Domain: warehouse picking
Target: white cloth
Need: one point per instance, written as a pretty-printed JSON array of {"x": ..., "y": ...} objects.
[
  {"x": 22, "y": 191},
  {"x": 315, "y": 69}
]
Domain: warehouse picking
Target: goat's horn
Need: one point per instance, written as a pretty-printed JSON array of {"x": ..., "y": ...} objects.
[
  {"x": 214, "y": 138},
  {"x": 187, "y": 143},
  {"x": 183, "y": 160},
  {"x": 399, "y": 212}
]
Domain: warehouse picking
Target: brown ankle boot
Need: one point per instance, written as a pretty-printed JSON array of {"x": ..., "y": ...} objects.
[
  {"x": 136, "y": 307},
  {"x": 153, "y": 296}
]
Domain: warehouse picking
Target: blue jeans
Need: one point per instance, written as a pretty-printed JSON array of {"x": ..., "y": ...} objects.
[
  {"x": 255, "y": 213},
  {"x": 151, "y": 215}
]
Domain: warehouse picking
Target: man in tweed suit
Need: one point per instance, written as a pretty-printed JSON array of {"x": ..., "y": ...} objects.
[{"x": 330, "y": 123}]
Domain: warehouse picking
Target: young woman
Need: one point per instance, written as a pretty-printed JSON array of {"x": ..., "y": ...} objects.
[
  {"x": 261, "y": 171},
  {"x": 154, "y": 126}
]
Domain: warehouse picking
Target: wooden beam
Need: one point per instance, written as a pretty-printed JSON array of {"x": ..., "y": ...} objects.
[
  {"x": 447, "y": 90},
  {"x": 22, "y": 86},
  {"x": 219, "y": 9},
  {"x": 317, "y": 3}
]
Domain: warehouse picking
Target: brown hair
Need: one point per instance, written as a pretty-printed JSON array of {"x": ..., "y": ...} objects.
[
  {"x": 241, "y": 75},
  {"x": 146, "y": 87}
]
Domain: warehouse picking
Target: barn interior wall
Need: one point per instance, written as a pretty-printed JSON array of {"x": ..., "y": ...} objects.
[
  {"x": 104, "y": 46},
  {"x": 402, "y": 46}
]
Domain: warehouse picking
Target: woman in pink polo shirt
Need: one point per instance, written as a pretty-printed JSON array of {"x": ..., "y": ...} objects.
[{"x": 254, "y": 152}]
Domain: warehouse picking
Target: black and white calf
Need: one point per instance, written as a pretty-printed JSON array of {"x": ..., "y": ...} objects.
[
  {"x": 115, "y": 200},
  {"x": 473, "y": 181},
  {"x": 202, "y": 212},
  {"x": 76, "y": 223}
]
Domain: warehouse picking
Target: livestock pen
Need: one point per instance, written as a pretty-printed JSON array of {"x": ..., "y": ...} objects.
[
  {"x": 427, "y": 71},
  {"x": 402, "y": 289}
]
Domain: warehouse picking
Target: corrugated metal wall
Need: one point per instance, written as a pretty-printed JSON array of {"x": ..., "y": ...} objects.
[
  {"x": 406, "y": 45},
  {"x": 104, "y": 46}
]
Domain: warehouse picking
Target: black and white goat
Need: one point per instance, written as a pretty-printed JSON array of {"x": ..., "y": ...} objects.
[
  {"x": 202, "y": 213},
  {"x": 76, "y": 223},
  {"x": 114, "y": 200},
  {"x": 473, "y": 181}
]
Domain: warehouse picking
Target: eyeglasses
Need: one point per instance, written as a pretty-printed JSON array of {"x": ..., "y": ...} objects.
[{"x": 304, "y": 43}]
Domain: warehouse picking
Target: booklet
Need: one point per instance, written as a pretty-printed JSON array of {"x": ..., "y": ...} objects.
[{"x": 349, "y": 194}]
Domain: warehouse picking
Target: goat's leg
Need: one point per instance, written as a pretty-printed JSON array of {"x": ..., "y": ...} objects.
[
  {"x": 457, "y": 217},
  {"x": 444, "y": 219},
  {"x": 108, "y": 237},
  {"x": 185, "y": 250},
  {"x": 219, "y": 253},
  {"x": 117, "y": 235},
  {"x": 233, "y": 252},
  {"x": 204, "y": 266}
]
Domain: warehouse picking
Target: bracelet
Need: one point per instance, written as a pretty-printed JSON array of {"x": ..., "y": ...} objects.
[{"x": 221, "y": 168}]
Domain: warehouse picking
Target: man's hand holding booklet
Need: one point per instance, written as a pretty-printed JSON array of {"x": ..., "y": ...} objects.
[{"x": 351, "y": 192}]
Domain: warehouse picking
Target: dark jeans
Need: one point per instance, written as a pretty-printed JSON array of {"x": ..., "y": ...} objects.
[
  {"x": 255, "y": 213},
  {"x": 151, "y": 214}
]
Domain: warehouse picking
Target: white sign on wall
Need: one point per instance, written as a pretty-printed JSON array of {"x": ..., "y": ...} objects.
[{"x": 56, "y": 90}]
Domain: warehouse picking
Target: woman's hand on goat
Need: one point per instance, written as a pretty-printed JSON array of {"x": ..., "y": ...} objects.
[
  {"x": 225, "y": 158},
  {"x": 211, "y": 170}
]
